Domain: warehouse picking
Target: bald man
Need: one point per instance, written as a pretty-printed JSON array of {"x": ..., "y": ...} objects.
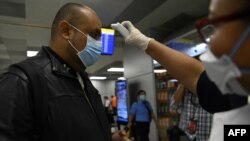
[{"x": 74, "y": 110}]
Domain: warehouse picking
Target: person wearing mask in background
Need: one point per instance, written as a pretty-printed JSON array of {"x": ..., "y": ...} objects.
[
  {"x": 195, "y": 122},
  {"x": 75, "y": 110},
  {"x": 142, "y": 114},
  {"x": 222, "y": 81}
]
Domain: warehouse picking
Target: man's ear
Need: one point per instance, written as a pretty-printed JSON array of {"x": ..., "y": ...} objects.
[{"x": 64, "y": 30}]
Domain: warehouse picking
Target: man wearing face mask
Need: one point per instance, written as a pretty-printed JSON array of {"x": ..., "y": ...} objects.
[
  {"x": 222, "y": 81},
  {"x": 74, "y": 110},
  {"x": 142, "y": 114}
]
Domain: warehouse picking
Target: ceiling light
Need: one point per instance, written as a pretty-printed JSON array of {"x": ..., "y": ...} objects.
[
  {"x": 160, "y": 71},
  {"x": 31, "y": 53},
  {"x": 98, "y": 78},
  {"x": 115, "y": 70},
  {"x": 121, "y": 78},
  {"x": 173, "y": 80}
]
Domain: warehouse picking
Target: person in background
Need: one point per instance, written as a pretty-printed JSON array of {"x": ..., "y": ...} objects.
[
  {"x": 222, "y": 80},
  {"x": 195, "y": 122},
  {"x": 114, "y": 104},
  {"x": 107, "y": 103},
  {"x": 75, "y": 110},
  {"x": 108, "y": 109},
  {"x": 142, "y": 114}
]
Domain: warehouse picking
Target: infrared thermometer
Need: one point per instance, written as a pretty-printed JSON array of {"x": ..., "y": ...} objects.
[{"x": 119, "y": 27}]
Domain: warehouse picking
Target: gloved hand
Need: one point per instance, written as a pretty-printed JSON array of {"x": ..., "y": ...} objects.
[{"x": 135, "y": 37}]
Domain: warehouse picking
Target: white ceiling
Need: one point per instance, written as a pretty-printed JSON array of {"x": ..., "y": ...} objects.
[{"x": 25, "y": 24}]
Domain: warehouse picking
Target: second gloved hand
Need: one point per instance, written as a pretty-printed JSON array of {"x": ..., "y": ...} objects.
[{"x": 135, "y": 37}]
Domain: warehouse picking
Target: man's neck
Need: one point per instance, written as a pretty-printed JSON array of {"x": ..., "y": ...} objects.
[{"x": 72, "y": 61}]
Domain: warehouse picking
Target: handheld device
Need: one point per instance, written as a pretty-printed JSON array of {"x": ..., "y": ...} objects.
[{"x": 119, "y": 27}]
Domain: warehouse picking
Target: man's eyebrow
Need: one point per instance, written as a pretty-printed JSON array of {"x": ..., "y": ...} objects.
[
  {"x": 99, "y": 31},
  {"x": 96, "y": 33}
]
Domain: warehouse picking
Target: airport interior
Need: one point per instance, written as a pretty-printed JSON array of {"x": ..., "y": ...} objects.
[{"x": 121, "y": 70}]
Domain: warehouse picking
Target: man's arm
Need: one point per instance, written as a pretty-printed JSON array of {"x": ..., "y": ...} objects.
[
  {"x": 130, "y": 119},
  {"x": 177, "y": 99},
  {"x": 179, "y": 93},
  {"x": 16, "y": 120},
  {"x": 155, "y": 119},
  {"x": 184, "y": 68}
]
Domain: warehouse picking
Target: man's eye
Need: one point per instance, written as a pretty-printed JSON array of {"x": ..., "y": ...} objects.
[{"x": 95, "y": 36}]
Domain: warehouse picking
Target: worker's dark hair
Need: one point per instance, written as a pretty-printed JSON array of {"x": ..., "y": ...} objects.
[
  {"x": 247, "y": 5},
  {"x": 69, "y": 12},
  {"x": 246, "y": 8},
  {"x": 141, "y": 91}
]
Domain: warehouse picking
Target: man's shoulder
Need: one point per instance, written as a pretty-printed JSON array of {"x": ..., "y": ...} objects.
[
  {"x": 147, "y": 102},
  {"x": 135, "y": 104},
  {"x": 39, "y": 61}
]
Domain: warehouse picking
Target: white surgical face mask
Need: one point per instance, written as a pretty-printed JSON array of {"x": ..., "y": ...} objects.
[
  {"x": 91, "y": 52},
  {"x": 223, "y": 72},
  {"x": 142, "y": 97}
]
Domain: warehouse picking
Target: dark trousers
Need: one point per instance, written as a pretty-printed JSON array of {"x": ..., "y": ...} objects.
[
  {"x": 142, "y": 131},
  {"x": 185, "y": 136},
  {"x": 114, "y": 111},
  {"x": 176, "y": 134}
]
